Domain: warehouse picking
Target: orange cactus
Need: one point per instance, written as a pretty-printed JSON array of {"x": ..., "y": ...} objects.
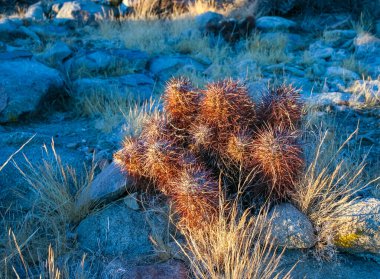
[
  {"x": 181, "y": 102},
  {"x": 279, "y": 157},
  {"x": 219, "y": 129},
  {"x": 281, "y": 108}
]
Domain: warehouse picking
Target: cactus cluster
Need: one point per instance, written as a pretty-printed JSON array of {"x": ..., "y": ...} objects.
[{"x": 202, "y": 133}]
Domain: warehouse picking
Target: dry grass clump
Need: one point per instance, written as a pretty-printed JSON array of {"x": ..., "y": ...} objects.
[
  {"x": 47, "y": 224},
  {"x": 205, "y": 132},
  {"x": 327, "y": 188},
  {"x": 236, "y": 245}
]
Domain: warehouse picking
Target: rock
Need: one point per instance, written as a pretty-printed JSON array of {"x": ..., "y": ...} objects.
[
  {"x": 16, "y": 54},
  {"x": 292, "y": 41},
  {"x": 131, "y": 201},
  {"x": 118, "y": 230},
  {"x": 367, "y": 52},
  {"x": 35, "y": 12},
  {"x": 107, "y": 186},
  {"x": 27, "y": 83},
  {"x": 329, "y": 99},
  {"x": 133, "y": 86},
  {"x": 7, "y": 28},
  {"x": 85, "y": 11},
  {"x": 338, "y": 37},
  {"x": 291, "y": 228},
  {"x": 56, "y": 53},
  {"x": 29, "y": 33},
  {"x": 358, "y": 228},
  {"x": 336, "y": 71},
  {"x": 171, "y": 269},
  {"x": 377, "y": 28},
  {"x": 117, "y": 61},
  {"x": 207, "y": 18},
  {"x": 323, "y": 53},
  {"x": 271, "y": 23},
  {"x": 50, "y": 31},
  {"x": 166, "y": 66}
]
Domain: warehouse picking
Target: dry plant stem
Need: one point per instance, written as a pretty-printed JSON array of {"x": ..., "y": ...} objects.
[{"x": 236, "y": 245}]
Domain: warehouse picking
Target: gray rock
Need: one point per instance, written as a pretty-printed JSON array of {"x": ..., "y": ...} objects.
[
  {"x": 291, "y": 228},
  {"x": 336, "y": 71},
  {"x": 338, "y": 37},
  {"x": 16, "y": 54},
  {"x": 358, "y": 228},
  {"x": 207, "y": 18},
  {"x": 118, "y": 230},
  {"x": 367, "y": 52},
  {"x": 110, "y": 62},
  {"x": 7, "y": 28},
  {"x": 49, "y": 31},
  {"x": 292, "y": 41},
  {"x": 107, "y": 186},
  {"x": 133, "y": 86},
  {"x": 56, "y": 53},
  {"x": 166, "y": 66},
  {"x": 329, "y": 99},
  {"x": 323, "y": 53},
  {"x": 270, "y": 23},
  {"x": 35, "y": 12},
  {"x": 172, "y": 269},
  {"x": 85, "y": 11},
  {"x": 26, "y": 84}
]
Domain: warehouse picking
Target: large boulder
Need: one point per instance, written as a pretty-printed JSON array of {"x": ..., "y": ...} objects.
[
  {"x": 109, "y": 62},
  {"x": 26, "y": 84},
  {"x": 134, "y": 86},
  {"x": 291, "y": 228},
  {"x": 118, "y": 230},
  {"x": 359, "y": 228}
]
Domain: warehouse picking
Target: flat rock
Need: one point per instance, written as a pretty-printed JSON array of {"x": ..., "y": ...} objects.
[
  {"x": 291, "y": 228},
  {"x": 166, "y": 66},
  {"x": 367, "y": 52},
  {"x": 340, "y": 72},
  {"x": 27, "y": 83},
  {"x": 358, "y": 228},
  {"x": 110, "y": 184},
  {"x": 207, "y": 18},
  {"x": 133, "y": 86},
  {"x": 118, "y": 231},
  {"x": 35, "y": 12},
  {"x": 270, "y": 23},
  {"x": 56, "y": 53},
  {"x": 110, "y": 62}
]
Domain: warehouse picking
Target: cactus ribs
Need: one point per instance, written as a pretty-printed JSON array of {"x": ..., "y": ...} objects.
[{"x": 202, "y": 133}]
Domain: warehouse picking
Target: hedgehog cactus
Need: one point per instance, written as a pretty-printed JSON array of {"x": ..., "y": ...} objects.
[{"x": 220, "y": 128}]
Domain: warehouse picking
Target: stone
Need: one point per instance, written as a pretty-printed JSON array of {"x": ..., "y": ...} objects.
[
  {"x": 271, "y": 23},
  {"x": 117, "y": 61},
  {"x": 323, "y": 53},
  {"x": 172, "y": 269},
  {"x": 365, "y": 90},
  {"x": 329, "y": 99},
  {"x": 85, "y": 11},
  {"x": 336, "y": 71},
  {"x": 118, "y": 230},
  {"x": 367, "y": 52},
  {"x": 131, "y": 201},
  {"x": 358, "y": 228},
  {"x": 133, "y": 86},
  {"x": 15, "y": 54},
  {"x": 291, "y": 228},
  {"x": 7, "y": 28},
  {"x": 207, "y": 18},
  {"x": 292, "y": 41},
  {"x": 56, "y": 53},
  {"x": 338, "y": 37},
  {"x": 35, "y": 12},
  {"x": 27, "y": 83},
  {"x": 110, "y": 184},
  {"x": 166, "y": 66}
]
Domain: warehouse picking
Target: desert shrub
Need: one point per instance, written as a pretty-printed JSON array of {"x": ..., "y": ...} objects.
[{"x": 220, "y": 129}]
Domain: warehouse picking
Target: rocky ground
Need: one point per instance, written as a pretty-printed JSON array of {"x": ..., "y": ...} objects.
[{"x": 83, "y": 83}]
